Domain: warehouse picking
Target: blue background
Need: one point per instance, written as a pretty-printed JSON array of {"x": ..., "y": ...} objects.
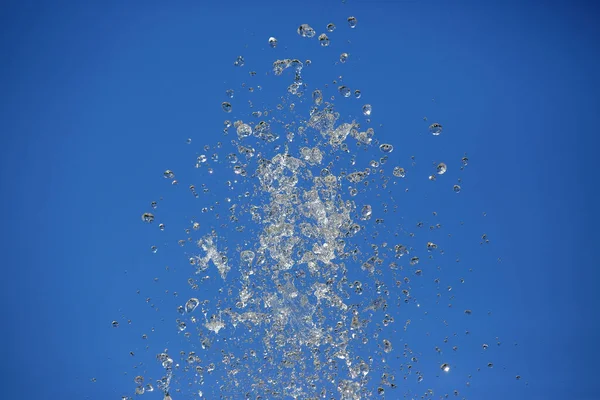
[{"x": 99, "y": 99}]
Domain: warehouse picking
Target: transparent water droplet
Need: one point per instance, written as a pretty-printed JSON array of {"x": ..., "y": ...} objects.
[
  {"x": 317, "y": 97},
  {"x": 367, "y": 109},
  {"x": 161, "y": 227},
  {"x": 435, "y": 129},
  {"x": 306, "y": 31},
  {"x": 273, "y": 42},
  {"x": 456, "y": 189},
  {"x": 386, "y": 148},
  {"x": 344, "y": 57},
  {"x": 191, "y": 304},
  {"x": 357, "y": 94},
  {"x": 352, "y": 22},
  {"x": 147, "y": 217},
  {"x": 115, "y": 324},
  {"x": 445, "y": 367},
  {"x": 399, "y": 172},
  {"x": 366, "y": 212},
  {"x": 330, "y": 27},
  {"x": 239, "y": 62},
  {"x": 345, "y": 91},
  {"x": 324, "y": 40},
  {"x": 139, "y": 380},
  {"x": 154, "y": 249},
  {"x": 441, "y": 168},
  {"x": 387, "y": 346},
  {"x": 226, "y": 107},
  {"x": 188, "y": 141},
  {"x": 464, "y": 161}
]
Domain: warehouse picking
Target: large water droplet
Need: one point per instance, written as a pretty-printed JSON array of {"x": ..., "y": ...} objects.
[
  {"x": 305, "y": 30},
  {"x": 435, "y": 129},
  {"x": 324, "y": 40},
  {"x": 191, "y": 304}
]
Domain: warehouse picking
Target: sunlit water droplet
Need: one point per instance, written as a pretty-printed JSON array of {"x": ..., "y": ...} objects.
[
  {"x": 324, "y": 40},
  {"x": 352, "y": 22},
  {"x": 367, "y": 109},
  {"x": 441, "y": 168},
  {"x": 344, "y": 57},
  {"x": 435, "y": 129},
  {"x": 306, "y": 31},
  {"x": 147, "y": 217},
  {"x": 456, "y": 189},
  {"x": 226, "y": 107},
  {"x": 386, "y": 148},
  {"x": 272, "y": 42},
  {"x": 191, "y": 304},
  {"x": 399, "y": 172},
  {"x": 239, "y": 62}
]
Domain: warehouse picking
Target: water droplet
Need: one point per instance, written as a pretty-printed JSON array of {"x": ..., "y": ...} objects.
[
  {"x": 432, "y": 177},
  {"x": 345, "y": 91},
  {"x": 147, "y": 217},
  {"x": 386, "y": 148},
  {"x": 431, "y": 246},
  {"x": 352, "y": 22},
  {"x": 367, "y": 109},
  {"x": 387, "y": 345},
  {"x": 468, "y": 312},
  {"x": 115, "y": 324},
  {"x": 490, "y": 365},
  {"x": 366, "y": 212},
  {"x": 317, "y": 97},
  {"x": 464, "y": 161},
  {"x": 243, "y": 130},
  {"x": 399, "y": 172},
  {"x": 272, "y": 42},
  {"x": 441, "y": 168},
  {"x": 435, "y": 129},
  {"x": 445, "y": 367},
  {"x": 324, "y": 40},
  {"x": 357, "y": 94},
  {"x": 139, "y": 380},
  {"x": 161, "y": 227},
  {"x": 188, "y": 141},
  {"x": 330, "y": 27},
  {"x": 305, "y": 30},
  {"x": 154, "y": 249},
  {"x": 226, "y": 107},
  {"x": 168, "y": 174},
  {"x": 239, "y": 62},
  {"x": 191, "y": 304},
  {"x": 343, "y": 57},
  {"x": 229, "y": 93},
  {"x": 456, "y": 189}
]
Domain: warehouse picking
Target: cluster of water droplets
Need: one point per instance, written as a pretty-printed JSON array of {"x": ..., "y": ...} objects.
[{"x": 307, "y": 290}]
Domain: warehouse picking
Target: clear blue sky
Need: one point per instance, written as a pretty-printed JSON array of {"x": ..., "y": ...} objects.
[{"x": 98, "y": 99}]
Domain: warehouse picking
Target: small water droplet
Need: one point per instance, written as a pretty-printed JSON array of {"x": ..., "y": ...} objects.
[
  {"x": 345, "y": 91},
  {"x": 115, "y": 324},
  {"x": 191, "y": 304},
  {"x": 435, "y": 129},
  {"x": 154, "y": 249},
  {"x": 343, "y": 57},
  {"x": 441, "y": 168},
  {"x": 357, "y": 94},
  {"x": 445, "y": 367},
  {"x": 188, "y": 141},
  {"x": 226, "y": 107},
  {"x": 239, "y": 62},
  {"x": 147, "y": 217},
  {"x": 352, "y": 22},
  {"x": 324, "y": 40},
  {"x": 399, "y": 172},
  {"x": 229, "y": 93},
  {"x": 367, "y": 109},
  {"x": 273, "y": 42},
  {"x": 456, "y": 189},
  {"x": 386, "y": 148}
]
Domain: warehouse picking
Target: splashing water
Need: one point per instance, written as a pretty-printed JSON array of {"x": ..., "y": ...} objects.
[{"x": 287, "y": 299}]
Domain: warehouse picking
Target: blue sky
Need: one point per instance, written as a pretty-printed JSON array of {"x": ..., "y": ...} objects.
[{"x": 99, "y": 99}]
